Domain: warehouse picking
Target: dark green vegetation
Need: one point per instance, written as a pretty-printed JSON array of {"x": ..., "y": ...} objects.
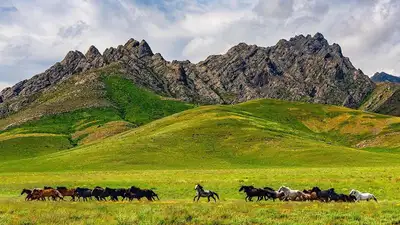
[{"x": 139, "y": 106}]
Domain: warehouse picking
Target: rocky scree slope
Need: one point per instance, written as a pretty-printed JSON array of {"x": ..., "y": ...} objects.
[{"x": 304, "y": 68}]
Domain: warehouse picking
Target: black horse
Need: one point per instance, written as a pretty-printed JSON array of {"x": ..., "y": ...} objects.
[
  {"x": 85, "y": 193},
  {"x": 333, "y": 196},
  {"x": 347, "y": 198},
  {"x": 251, "y": 192},
  {"x": 99, "y": 194},
  {"x": 271, "y": 193},
  {"x": 28, "y": 194},
  {"x": 115, "y": 193},
  {"x": 322, "y": 195},
  {"x": 135, "y": 192}
]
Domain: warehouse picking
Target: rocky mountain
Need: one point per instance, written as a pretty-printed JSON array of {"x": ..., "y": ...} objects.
[
  {"x": 384, "y": 77},
  {"x": 304, "y": 68}
]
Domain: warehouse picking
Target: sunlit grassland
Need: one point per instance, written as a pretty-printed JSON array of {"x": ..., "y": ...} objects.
[{"x": 175, "y": 188}]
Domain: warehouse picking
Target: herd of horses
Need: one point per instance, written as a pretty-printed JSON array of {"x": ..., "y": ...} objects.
[
  {"x": 314, "y": 194},
  {"x": 99, "y": 193},
  {"x": 283, "y": 194}
]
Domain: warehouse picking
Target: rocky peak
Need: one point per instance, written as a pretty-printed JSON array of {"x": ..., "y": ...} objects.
[
  {"x": 92, "y": 53},
  {"x": 144, "y": 49},
  {"x": 72, "y": 57},
  {"x": 131, "y": 44}
]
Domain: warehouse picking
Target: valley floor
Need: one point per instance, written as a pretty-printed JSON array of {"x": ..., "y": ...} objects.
[{"x": 176, "y": 190}]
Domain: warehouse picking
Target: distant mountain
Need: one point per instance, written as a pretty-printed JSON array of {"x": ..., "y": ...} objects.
[
  {"x": 304, "y": 68},
  {"x": 384, "y": 77}
]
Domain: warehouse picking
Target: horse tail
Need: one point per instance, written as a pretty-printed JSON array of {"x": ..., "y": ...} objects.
[
  {"x": 216, "y": 195},
  {"x": 373, "y": 196}
]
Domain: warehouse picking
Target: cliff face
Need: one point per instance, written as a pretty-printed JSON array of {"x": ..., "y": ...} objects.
[{"x": 305, "y": 68}]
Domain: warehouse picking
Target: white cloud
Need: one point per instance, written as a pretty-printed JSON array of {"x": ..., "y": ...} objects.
[{"x": 38, "y": 33}]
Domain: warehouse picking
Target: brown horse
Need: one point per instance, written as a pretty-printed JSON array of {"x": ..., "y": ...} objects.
[
  {"x": 67, "y": 192},
  {"x": 41, "y": 194},
  {"x": 310, "y": 195}
]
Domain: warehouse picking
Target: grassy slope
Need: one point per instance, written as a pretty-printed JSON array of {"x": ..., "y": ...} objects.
[
  {"x": 259, "y": 133},
  {"x": 102, "y": 104},
  {"x": 385, "y": 99}
]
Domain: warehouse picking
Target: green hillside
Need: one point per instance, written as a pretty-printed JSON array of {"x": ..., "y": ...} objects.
[
  {"x": 261, "y": 133},
  {"x": 385, "y": 99},
  {"x": 83, "y": 109}
]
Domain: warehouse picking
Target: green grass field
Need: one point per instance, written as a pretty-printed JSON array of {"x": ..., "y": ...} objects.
[
  {"x": 129, "y": 136},
  {"x": 175, "y": 188}
]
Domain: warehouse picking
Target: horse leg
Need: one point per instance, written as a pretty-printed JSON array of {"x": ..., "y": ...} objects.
[
  {"x": 208, "y": 199},
  {"x": 198, "y": 197},
  {"x": 194, "y": 199},
  {"x": 212, "y": 196}
]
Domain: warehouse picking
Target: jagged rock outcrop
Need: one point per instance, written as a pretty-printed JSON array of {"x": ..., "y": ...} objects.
[{"x": 304, "y": 68}]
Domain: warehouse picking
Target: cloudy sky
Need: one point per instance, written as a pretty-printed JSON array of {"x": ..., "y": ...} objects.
[{"x": 34, "y": 34}]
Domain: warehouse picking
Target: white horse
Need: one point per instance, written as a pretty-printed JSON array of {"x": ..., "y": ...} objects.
[
  {"x": 292, "y": 195},
  {"x": 362, "y": 196},
  {"x": 200, "y": 192}
]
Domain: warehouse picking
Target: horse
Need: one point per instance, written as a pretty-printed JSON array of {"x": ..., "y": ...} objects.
[
  {"x": 99, "y": 194},
  {"x": 251, "y": 192},
  {"x": 346, "y": 198},
  {"x": 359, "y": 196},
  {"x": 67, "y": 192},
  {"x": 200, "y": 192},
  {"x": 28, "y": 194},
  {"x": 114, "y": 193},
  {"x": 43, "y": 193},
  {"x": 271, "y": 193},
  {"x": 85, "y": 193},
  {"x": 310, "y": 195},
  {"x": 292, "y": 195},
  {"x": 322, "y": 195},
  {"x": 333, "y": 196},
  {"x": 135, "y": 192}
]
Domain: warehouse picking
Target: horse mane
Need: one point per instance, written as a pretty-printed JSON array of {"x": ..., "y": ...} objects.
[{"x": 62, "y": 188}]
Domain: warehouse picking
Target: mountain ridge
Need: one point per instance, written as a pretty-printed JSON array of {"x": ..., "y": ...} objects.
[
  {"x": 304, "y": 68},
  {"x": 385, "y": 77}
]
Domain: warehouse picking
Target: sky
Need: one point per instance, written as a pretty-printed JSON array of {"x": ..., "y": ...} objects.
[{"x": 35, "y": 34}]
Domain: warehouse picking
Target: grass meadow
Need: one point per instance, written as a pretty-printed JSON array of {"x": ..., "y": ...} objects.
[{"x": 176, "y": 190}]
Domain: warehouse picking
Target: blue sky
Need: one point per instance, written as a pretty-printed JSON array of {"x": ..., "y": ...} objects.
[{"x": 34, "y": 34}]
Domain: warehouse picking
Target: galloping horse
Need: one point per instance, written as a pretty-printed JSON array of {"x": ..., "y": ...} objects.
[
  {"x": 322, "y": 195},
  {"x": 28, "y": 194},
  {"x": 292, "y": 195},
  {"x": 362, "y": 196},
  {"x": 310, "y": 195},
  {"x": 251, "y": 192},
  {"x": 38, "y": 193},
  {"x": 271, "y": 193},
  {"x": 135, "y": 192},
  {"x": 67, "y": 192},
  {"x": 200, "y": 192}
]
